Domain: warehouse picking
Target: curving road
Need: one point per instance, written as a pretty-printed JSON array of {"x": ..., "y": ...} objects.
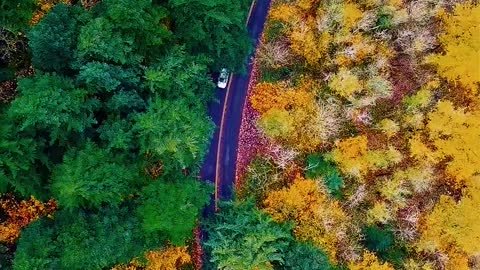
[{"x": 220, "y": 162}]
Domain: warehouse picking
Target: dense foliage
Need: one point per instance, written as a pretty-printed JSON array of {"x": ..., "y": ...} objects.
[
  {"x": 243, "y": 237},
  {"x": 365, "y": 115},
  {"x": 104, "y": 112}
]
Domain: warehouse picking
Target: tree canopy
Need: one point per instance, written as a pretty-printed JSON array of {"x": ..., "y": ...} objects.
[{"x": 104, "y": 110}]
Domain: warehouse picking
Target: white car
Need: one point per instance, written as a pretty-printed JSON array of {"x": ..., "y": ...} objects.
[{"x": 223, "y": 78}]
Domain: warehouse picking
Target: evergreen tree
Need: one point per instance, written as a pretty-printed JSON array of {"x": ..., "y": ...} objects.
[
  {"x": 171, "y": 209},
  {"x": 36, "y": 248},
  {"x": 92, "y": 177},
  {"x": 18, "y": 155},
  {"x": 242, "y": 237},
  {"x": 125, "y": 32},
  {"x": 53, "y": 40},
  {"x": 15, "y": 14},
  {"x": 51, "y": 103},
  {"x": 175, "y": 133},
  {"x": 179, "y": 75},
  {"x": 214, "y": 28},
  {"x": 305, "y": 256},
  {"x": 82, "y": 240}
]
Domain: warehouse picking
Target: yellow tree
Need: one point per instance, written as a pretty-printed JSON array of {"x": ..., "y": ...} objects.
[
  {"x": 354, "y": 158},
  {"x": 346, "y": 84},
  {"x": 288, "y": 114},
  {"x": 277, "y": 123},
  {"x": 460, "y": 61},
  {"x": 317, "y": 218},
  {"x": 453, "y": 228},
  {"x": 348, "y": 155},
  {"x": 455, "y": 134},
  {"x": 171, "y": 258}
]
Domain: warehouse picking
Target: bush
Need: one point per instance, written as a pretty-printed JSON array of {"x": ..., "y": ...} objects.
[
  {"x": 262, "y": 177},
  {"x": 382, "y": 241},
  {"x": 274, "y": 75},
  {"x": 318, "y": 167},
  {"x": 273, "y": 30},
  {"x": 384, "y": 21},
  {"x": 243, "y": 237},
  {"x": 305, "y": 256}
]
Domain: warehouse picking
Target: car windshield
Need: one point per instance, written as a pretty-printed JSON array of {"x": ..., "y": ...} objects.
[{"x": 223, "y": 75}]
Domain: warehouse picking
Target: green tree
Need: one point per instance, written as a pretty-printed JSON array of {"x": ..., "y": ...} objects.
[
  {"x": 15, "y": 14},
  {"x": 51, "y": 103},
  {"x": 82, "y": 240},
  {"x": 242, "y": 237},
  {"x": 18, "y": 155},
  {"x": 125, "y": 102},
  {"x": 99, "y": 40},
  {"x": 91, "y": 177},
  {"x": 179, "y": 75},
  {"x": 318, "y": 167},
  {"x": 100, "y": 77},
  {"x": 36, "y": 248},
  {"x": 302, "y": 256},
  {"x": 117, "y": 134},
  {"x": 124, "y": 32},
  {"x": 172, "y": 208},
  {"x": 381, "y": 240},
  {"x": 215, "y": 28},
  {"x": 53, "y": 40},
  {"x": 99, "y": 240},
  {"x": 175, "y": 133}
]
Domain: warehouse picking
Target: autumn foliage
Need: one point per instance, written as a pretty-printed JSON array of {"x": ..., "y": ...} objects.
[
  {"x": 387, "y": 93},
  {"x": 170, "y": 258},
  {"x": 460, "y": 62},
  {"x": 317, "y": 218},
  {"x": 288, "y": 114},
  {"x": 43, "y": 7},
  {"x": 20, "y": 214}
]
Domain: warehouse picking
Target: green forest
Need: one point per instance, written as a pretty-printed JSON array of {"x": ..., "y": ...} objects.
[{"x": 103, "y": 112}]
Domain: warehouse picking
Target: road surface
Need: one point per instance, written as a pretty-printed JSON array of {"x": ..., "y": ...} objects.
[{"x": 220, "y": 162}]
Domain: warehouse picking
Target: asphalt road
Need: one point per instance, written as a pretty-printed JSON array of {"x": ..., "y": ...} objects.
[{"x": 220, "y": 162}]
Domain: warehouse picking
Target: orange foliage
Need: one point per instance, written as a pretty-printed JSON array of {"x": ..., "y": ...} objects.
[
  {"x": 168, "y": 259},
  {"x": 44, "y": 6},
  {"x": 266, "y": 96},
  {"x": 317, "y": 218},
  {"x": 288, "y": 114},
  {"x": 172, "y": 258},
  {"x": 20, "y": 214}
]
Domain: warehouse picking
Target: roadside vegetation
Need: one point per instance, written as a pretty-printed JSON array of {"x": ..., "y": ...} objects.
[
  {"x": 360, "y": 140},
  {"x": 103, "y": 127}
]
